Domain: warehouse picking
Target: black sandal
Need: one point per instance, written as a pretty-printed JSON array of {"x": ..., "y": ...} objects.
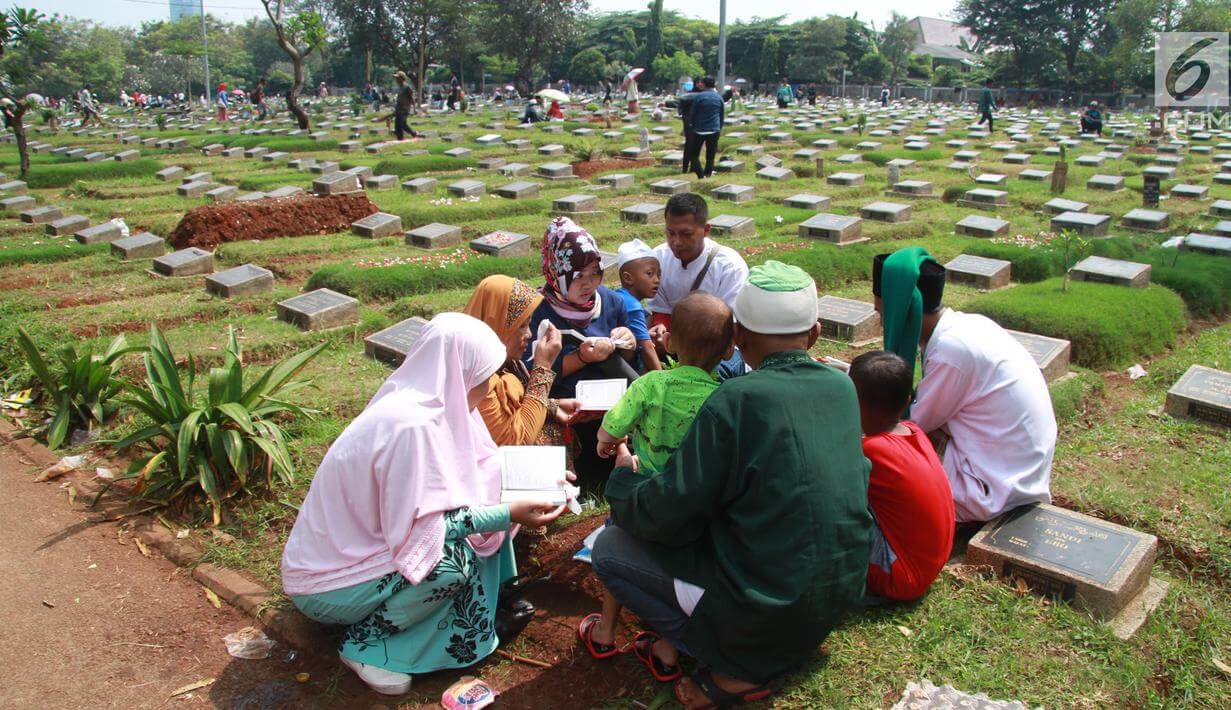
[{"x": 703, "y": 679}]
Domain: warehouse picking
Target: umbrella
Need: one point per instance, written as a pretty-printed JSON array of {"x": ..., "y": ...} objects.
[
  {"x": 509, "y": 87},
  {"x": 554, "y": 95},
  {"x": 237, "y": 92},
  {"x": 631, "y": 75}
]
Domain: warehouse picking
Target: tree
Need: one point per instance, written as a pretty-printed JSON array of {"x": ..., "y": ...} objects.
[
  {"x": 769, "y": 62},
  {"x": 298, "y": 35},
  {"x": 23, "y": 43},
  {"x": 408, "y": 33},
  {"x": 1016, "y": 27},
  {"x": 670, "y": 69},
  {"x": 653, "y": 36},
  {"x": 872, "y": 67},
  {"x": 1073, "y": 25},
  {"x": 896, "y": 43},
  {"x": 589, "y": 66},
  {"x": 532, "y": 32},
  {"x": 818, "y": 50}
]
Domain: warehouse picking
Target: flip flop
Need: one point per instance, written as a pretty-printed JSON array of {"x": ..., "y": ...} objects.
[
  {"x": 597, "y": 651},
  {"x": 703, "y": 679},
  {"x": 643, "y": 649}
]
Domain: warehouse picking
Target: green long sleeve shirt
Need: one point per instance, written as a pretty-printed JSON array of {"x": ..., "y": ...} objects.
[{"x": 765, "y": 506}]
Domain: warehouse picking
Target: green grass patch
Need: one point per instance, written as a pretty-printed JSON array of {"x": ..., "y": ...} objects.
[
  {"x": 829, "y": 266},
  {"x": 1108, "y": 326},
  {"x": 389, "y": 282},
  {"x": 1202, "y": 280},
  {"x": 880, "y": 157},
  {"x": 290, "y": 144},
  {"x": 49, "y": 253},
  {"x": 61, "y": 175},
  {"x": 414, "y": 164},
  {"x": 1069, "y": 395}
]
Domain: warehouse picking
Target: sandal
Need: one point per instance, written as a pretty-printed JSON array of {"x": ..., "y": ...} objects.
[
  {"x": 703, "y": 679},
  {"x": 643, "y": 649},
  {"x": 597, "y": 651}
]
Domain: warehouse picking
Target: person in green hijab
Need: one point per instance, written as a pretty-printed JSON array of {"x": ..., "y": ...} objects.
[{"x": 751, "y": 544}]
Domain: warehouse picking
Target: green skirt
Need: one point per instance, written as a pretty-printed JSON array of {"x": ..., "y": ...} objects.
[{"x": 445, "y": 621}]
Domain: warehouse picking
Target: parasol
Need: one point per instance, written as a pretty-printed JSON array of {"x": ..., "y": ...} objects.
[
  {"x": 554, "y": 95},
  {"x": 631, "y": 76}
]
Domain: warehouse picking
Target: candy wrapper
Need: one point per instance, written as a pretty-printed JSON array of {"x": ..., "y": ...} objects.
[{"x": 468, "y": 694}]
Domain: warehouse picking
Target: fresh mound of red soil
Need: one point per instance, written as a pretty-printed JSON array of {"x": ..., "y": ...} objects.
[
  {"x": 585, "y": 169},
  {"x": 207, "y": 227}
]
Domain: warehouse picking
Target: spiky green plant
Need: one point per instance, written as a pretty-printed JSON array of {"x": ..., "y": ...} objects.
[
  {"x": 79, "y": 387},
  {"x": 217, "y": 444}
]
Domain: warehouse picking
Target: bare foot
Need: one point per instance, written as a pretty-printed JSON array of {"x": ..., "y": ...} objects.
[
  {"x": 603, "y": 633},
  {"x": 692, "y": 696},
  {"x": 665, "y": 652}
]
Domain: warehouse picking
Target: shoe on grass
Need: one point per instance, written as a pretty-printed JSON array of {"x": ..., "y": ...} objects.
[{"x": 378, "y": 679}]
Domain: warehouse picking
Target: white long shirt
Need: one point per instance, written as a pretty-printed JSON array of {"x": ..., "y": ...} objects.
[
  {"x": 985, "y": 391},
  {"x": 725, "y": 278}
]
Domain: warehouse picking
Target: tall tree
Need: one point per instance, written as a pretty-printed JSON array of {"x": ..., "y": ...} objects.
[
  {"x": 1016, "y": 26},
  {"x": 653, "y": 35},
  {"x": 532, "y": 32},
  {"x": 408, "y": 34},
  {"x": 299, "y": 35},
  {"x": 769, "y": 61},
  {"x": 896, "y": 43},
  {"x": 1074, "y": 24},
  {"x": 23, "y": 42},
  {"x": 818, "y": 52}
]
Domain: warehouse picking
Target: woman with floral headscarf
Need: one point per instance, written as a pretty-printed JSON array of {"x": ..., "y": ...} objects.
[
  {"x": 517, "y": 404},
  {"x": 576, "y": 302}
]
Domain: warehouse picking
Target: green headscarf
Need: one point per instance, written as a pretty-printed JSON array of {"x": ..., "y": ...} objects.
[{"x": 902, "y": 303}]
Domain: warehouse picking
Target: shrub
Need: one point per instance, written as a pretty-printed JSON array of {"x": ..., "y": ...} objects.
[
  {"x": 1038, "y": 257},
  {"x": 1202, "y": 280},
  {"x": 214, "y": 446},
  {"x": 409, "y": 276},
  {"x": 588, "y": 149},
  {"x": 1108, "y": 326},
  {"x": 80, "y": 388},
  {"x": 63, "y": 174}
]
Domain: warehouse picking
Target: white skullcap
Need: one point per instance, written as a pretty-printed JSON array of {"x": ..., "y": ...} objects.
[
  {"x": 777, "y": 300},
  {"x": 631, "y": 251}
]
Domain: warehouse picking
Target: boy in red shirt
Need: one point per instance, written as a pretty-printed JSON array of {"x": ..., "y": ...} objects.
[{"x": 907, "y": 489}]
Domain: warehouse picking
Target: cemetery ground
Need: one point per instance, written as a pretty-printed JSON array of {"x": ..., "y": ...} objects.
[{"x": 1119, "y": 457}]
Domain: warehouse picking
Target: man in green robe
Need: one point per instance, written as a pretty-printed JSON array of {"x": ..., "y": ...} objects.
[
  {"x": 746, "y": 550},
  {"x": 987, "y": 104}
]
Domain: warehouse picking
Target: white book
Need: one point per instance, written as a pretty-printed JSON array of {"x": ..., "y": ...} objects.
[
  {"x": 600, "y": 395},
  {"x": 533, "y": 473}
]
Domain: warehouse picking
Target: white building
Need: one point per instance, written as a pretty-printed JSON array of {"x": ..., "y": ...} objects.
[
  {"x": 185, "y": 8},
  {"x": 943, "y": 41}
]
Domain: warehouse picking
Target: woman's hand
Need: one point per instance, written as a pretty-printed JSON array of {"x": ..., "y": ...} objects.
[
  {"x": 547, "y": 347},
  {"x": 595, "y": 350},
  {"x": 529, "y": 514},
  {"x": 623, "y": 335},
  {"x": 566, "y": 409}
]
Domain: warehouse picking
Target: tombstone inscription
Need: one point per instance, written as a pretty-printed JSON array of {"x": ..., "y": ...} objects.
[
  {"x": 848, "y": 320},
  {"x": 391, "y": 344},
  {"x": 319, "y": 309},
  {"x": 1201, "y": 393}
]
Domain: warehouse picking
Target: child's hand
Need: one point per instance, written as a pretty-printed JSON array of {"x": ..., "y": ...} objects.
[
  {"x": 606, "y": 449},
  {"x": 625, "y": 458},
  {"x": 566, "y": 409}
]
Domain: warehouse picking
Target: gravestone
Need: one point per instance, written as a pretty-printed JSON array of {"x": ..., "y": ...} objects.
[
  {"x": 847, "y": 179},
  {"x": 834, "y": 228},
  {"x": 984, "y": 198},
  {"x": 886, "y": 212},
  {"x": 142, "y": 245},
  {"x": 127, "y": 155},
  {"x": 1111, "y": 271},
  {"x": 319, "y": 309},
  {"x": 1158, "y": 172},
  {"x": 243, "y": 280},
  {"x": 617, "y": 181},
  {"x": 222, "y": 193},
  {"x": 734, "y": 193},
  {"x": 1109, "y": 183},
  {"x": 419, "y": 185},
  {"x": 979, "y": 226},
  {"x": 467, "y": 188},
  {"x": 99, "y": 233},
  {"x": 502, "y": 244},
  {"x": 514, "y": 169},
  {"x": 1150, "y": 190},
  {"x": 551, "y": 149},
  {"x": 773, "y": 173},
  {"x": 911, "y": 188},
  {"x": 380, "y": 182},
  {"x": 458, "y": 152},
  {"x": 1220, "y": 208},
  {"x": 520, "y": 190},
  {"x": 980, "y": 272},
  {"x": 18, "y": 187},
  {"x": 1050, "y": 354},
  {"x": 991, "y": 179},
  {"x": 285, "y": 191},
  {"x": 807, "y": 202},
  {"x": 1147, "y": 220},
  {"x": 1222, "y": 229},
  {"x": 42, "y": 215},
  {"x": 847, "y": 320},
  {"x": 1190, "y": 192},
  {"x": 556, "y": 171},
  {"x": 729, "y": 225},
  {"x": 1207, "y": 244},
  {"x": 1059, "y": 205},
  {"x": 324, "y": 167},
  {"x": 1059, "y": 177},
  {"x": 575, "y": 204},
  {"x": 670, "y": 186},
  {"x": 729, "y": 166},
  {"x": 644, "y": 213},
  {"x": 1098, "y": 566},
  {"x": 336, "y": 183},
  {"x": 185, "y": 262},
  {"x": 375, "y": 226},
  {"x": 391, "y": 344},
  {"x": 1034, "y": 174},
  {"x": 1090, "y": 225},
  {"x": 434, "y": 236},
  {"x": 66, "y": 225},
  {"x": 1201, "y": 393}
]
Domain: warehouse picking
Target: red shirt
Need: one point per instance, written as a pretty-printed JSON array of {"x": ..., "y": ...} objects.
[{"x": 909, "y": 493}]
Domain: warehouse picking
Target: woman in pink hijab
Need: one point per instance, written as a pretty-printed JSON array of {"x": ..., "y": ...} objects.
[{"x": 402, "y": 536}]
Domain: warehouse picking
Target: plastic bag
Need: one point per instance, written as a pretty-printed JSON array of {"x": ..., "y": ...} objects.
[
  {"x": 61, "y": 467},
  {"x": 124, "y": 231},
  {"x": 1136, "y": 372},
  {"x": 249, "y": 642},
  {"x": 468, "y": 694}
]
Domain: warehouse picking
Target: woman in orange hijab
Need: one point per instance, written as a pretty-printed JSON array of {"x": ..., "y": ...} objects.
[{"x": 517, "y": 407}]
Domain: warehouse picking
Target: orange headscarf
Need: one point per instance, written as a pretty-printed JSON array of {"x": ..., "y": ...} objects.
[{"x": 503, "y": 303}]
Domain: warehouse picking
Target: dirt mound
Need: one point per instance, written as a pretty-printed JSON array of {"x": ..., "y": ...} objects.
[
  {"x": 207, "y": 227},
  {"x": 584, "y": 169}
]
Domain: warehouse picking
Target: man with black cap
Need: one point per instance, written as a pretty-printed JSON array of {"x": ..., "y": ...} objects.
[{"x": 982, "y": 398}]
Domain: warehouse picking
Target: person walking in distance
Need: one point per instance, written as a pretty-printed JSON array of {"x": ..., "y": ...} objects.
[
  {"x": 987, "y": 104},
  {"x": 402, "y": 107},
  {"x": 706, "y": 114}
]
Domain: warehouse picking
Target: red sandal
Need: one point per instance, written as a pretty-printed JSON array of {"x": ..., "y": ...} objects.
[
  {"x": 643, "y": 649},
  {"x": 598, "y": 651}
]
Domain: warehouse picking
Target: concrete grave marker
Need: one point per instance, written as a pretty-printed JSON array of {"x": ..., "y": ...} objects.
[
  {"x": 467, "y": 188},
  {"x": 980, "y": 272},
  {"x": 142, "y": 245},
  {"x": 502, "y": 244},
  {"x": 1111, "y": 271},
  {"x": 807, "y": 202},
  {"x": 979, "y": 226},
  {"x": 1147, "y": 220},
  {"x": 99, "y": 233},
  {"x": 1050, "y": 354},
  {"x": 1059, "y": 205},
  {"x": 734, "y": 193},
  {"x": 1190, "y": 192},
  {"x": 670, "y": 186},
  {"x": 644, "y": 213},
  {"x": 1201, "y": 393},
  {"x": 243, "y": 280},
  {"x": 42, "y": 215},
  {"x": 185, "y": 262},
  {"x": 617, "y": 181},
  {"x": 984, "y": 198},
  {"x": 378, "y": 225},
  {"x": 1109, "y": 183},
  {"x": 391, "y": 344},
  {"x": 1091, "y": 225},
  {"x": 519, "y": 190},
  {"x": 833, "y": 228},
  {"x": 847, "y": 320},
  {"x": 336, "y": 183},
  {"x": 1207, "y": 244},
  {"x": 729, "y": 225},
  {"x": 575, "y": 204},
  {"x": 319, "y": 309},
  {"x": 420, "y": 185},
  {"x": 847, "y": 179},
  {"x": 886, "y": 212},
  {"x": 380, "y": 182},
  {"x": 66, "y": 225},
  {"x": 773, "y": 173},
  {"x": 434, "y": 236},
  {"x": 222, "y": 193},
  {"x": 17, "y": 204}
]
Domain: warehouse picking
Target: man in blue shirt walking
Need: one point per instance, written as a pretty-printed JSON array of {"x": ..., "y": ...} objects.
[{"x": 705, "y": 117}]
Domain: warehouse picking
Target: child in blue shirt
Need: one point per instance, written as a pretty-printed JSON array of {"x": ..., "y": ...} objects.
[{"x": 639, "y": 275}]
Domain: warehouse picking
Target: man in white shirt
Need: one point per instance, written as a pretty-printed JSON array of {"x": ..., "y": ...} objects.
[
  {"x": 982, "y": 397},
  {"x": 690, "y": 261}
]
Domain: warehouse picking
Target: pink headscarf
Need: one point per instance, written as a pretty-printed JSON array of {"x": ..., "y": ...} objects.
[
  {"x": 416, "y": 451},
  {"x": 567, "y": 250}
]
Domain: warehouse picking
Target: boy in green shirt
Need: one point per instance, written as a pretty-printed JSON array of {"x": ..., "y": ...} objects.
[{"x": 656, "y": 412}]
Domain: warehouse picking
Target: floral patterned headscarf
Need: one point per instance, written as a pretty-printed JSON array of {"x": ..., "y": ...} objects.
[{"x": 567, "y": 250}]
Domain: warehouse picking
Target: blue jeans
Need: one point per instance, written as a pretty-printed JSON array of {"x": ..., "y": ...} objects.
[{"x": 628, "y": 570}]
